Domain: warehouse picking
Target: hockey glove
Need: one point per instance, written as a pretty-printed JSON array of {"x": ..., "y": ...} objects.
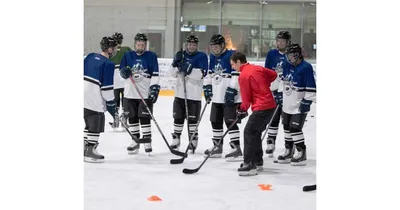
[
  {"x": 230, "y": 94},
  {"x": 186, "y": 69},
  {"x": 154, "y": 91},
  {"x": 111, "y": 107},
  {"x": 207, "y": 92},
  {"x": 241, "y": 114},
  {"x": 278, "y": 96},
  {"x": 305, "y": 105},
  {"x": 177, "y": 59},
  {"x": 125, "y": 72}
]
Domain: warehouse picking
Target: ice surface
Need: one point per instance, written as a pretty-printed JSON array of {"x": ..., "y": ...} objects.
[{"x": 124, "y": 182}]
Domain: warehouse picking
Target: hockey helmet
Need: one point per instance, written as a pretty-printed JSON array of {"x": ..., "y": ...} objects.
[{"x": 118, "y": 36}]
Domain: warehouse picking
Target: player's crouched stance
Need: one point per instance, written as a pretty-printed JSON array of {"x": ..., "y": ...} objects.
[
  {"x": 254, "y": 84},
  {"x": 98, "y": 96}
]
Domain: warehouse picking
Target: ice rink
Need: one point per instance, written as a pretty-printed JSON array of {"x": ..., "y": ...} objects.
[{"x": 125, "y": 182}]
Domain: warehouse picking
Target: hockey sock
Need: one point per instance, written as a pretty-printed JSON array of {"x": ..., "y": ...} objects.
[
  {"x": 178, "y": 126},
  {"x": 234, "y": 135},
  {"x": 91, "y": 137},
  {"x": 298, "y": 137},
  {"x": 288, "y": 138},
  {"x": 146, "y": 127},
  {"x": 133, "y": 124},
  {"x": 192, "y": 126},
  {"x": 272, "y": 132},
  {"x": 218, "y": 131}
]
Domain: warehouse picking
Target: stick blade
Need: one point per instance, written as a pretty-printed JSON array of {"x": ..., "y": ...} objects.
[
  {"x": 308, "y": 188},
  {"x": 179, "y": 153},
  {"x": 177, "y": 161},
  {"x": 190, "y": 171}
]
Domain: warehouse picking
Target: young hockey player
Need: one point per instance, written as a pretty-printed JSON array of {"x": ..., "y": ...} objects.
[
  {"x": 299, "y": 90},
  {"x": 119, "y": 82},
  {"x": 143, "y": 67},
  {"x": 255, "y": 90},
  {"x": 221, "y": 84},
  {"x": 190, "y": 66},
  {"x": 274, "y": 60},
  {"x": 98, "y": 96}
]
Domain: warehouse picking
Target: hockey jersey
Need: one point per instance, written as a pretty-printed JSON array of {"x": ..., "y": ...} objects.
[
  {"x": 194, "y": 81},
  {"x": 297, "y": 83},
  {"x": 275, "y": 60},
  {"x": 98, "y": 82},
  {"x": 119, "y": 82},
  {"x": 144, "y": 73},
  {"x": 221, "y": 76}
]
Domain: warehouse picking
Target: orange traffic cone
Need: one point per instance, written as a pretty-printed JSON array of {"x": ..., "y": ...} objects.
[{"x": 154, "y": 198}]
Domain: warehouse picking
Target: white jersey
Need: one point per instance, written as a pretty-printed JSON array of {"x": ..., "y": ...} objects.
[
  {"x": 221, "y": 76},
  {"x": 144, "y": 73},
  {"x": 194, "y": 81},
  {"x": 119, "y": 82}
]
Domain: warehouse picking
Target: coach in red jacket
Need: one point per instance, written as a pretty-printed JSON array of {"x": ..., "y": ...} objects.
[{"x": 254, "y": 82}]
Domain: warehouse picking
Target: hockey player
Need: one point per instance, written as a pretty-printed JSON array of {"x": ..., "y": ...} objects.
[
  {"x": 119, "y": 82},
  {"x": 274, "y": 60},
  {"x": 143, "y": 67},
  {"x": 221, "y": 83},
  {"x": 299, "y": 90},
  {"x": 98, "y": 96},
  {"x": 192, "y": 66},
  {"x": 255, "y": 90}
]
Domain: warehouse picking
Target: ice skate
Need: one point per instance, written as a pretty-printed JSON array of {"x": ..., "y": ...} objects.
[
  {"x": 216, "y": 153},
  {"x": 133, "y": 149},
  {"x": 299, "y": 157},
  {"x": 287, "y": 155},
  {"x": 235, "y": 155},
  {"x": 176, "y": 141},
  {"x": 148, "y": 148},
  {"x": 91, "y": 154},
  {"x": 193, "y": 145},
  {"x": 270, "y": 148}
]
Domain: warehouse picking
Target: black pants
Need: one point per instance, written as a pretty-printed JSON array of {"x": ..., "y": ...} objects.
[
  {"x": 117, "y": 96},
  {"x": 256, "y": 124},
  {"x": 293, "y": 127},
  {"x": 221, "y": 113},
  {"x": 94, "y": 125}
]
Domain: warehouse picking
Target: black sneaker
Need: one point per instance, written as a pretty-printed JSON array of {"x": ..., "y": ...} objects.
[{"x": 247, "y": 169}]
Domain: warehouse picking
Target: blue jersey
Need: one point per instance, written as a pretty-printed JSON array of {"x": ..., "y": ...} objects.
[
  {"x": 275, "y": 61},
  {"x": 194, "y": 81},
  {"x": 98, "y": 82},
  {"x": 298, "y": 83},
  {"x": 144, "y": 72},
  {"x": 221, "y": 76}
]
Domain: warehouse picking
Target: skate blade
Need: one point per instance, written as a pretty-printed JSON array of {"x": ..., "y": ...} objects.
[
  {"x": 282, "y": 161},
  {"x": 271, "y": 155},
  {"x": 93, "y": 160},
  {"x": 133, "y": 152},
  {"x": 234, "y": 159},
  {"x": 214, "y": 156},
  {"x": 248, "y": 173},
  {"x": 302, "y": 163}
]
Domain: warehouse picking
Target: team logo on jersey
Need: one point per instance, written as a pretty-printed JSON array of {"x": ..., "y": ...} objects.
[
  {"x": 218, "y": 71},
  {"x": 137, "y": 72},
  {"x": 288, "y": 85}
]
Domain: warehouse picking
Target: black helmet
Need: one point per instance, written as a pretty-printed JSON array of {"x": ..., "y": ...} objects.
[
  {"x": 118, "y": 36},
  {"x": 284, "y": 35},
  {"x": 217, "y": 39},
  {"x": 192, "y": 38},
  {"x": 107, "y": 42},
  {"x": 296, "y": 50},
  {"x": 140, "y": 37}
]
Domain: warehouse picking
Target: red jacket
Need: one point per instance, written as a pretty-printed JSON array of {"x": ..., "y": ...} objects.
[{"x": 255, "y": 82}]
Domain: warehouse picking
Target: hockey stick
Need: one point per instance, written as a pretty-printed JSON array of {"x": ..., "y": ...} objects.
[
  {"x": 266, "y": 130},
  {"x": 192, "y": 171},
  {"x": 180, "y": 160},
  {"x": 186, "y": 108},
  {"x": 134, "y": 138},
  {"x": 308, "y": 188},
  {"x": 175, "y": 152}
]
